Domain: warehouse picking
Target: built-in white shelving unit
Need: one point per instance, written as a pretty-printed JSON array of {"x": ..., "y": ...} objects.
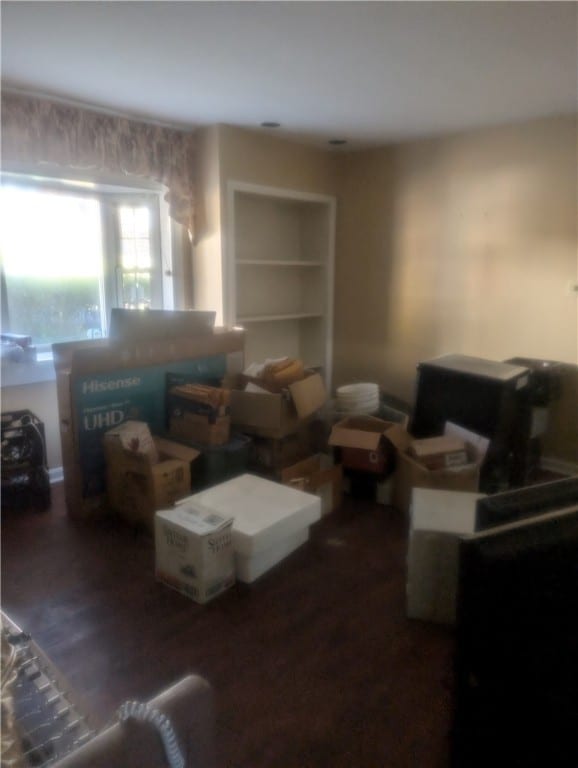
[{"x": 280, "y": 252}]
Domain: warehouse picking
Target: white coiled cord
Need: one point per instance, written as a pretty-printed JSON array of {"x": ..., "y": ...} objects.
[{"x": 144, "y": 713}]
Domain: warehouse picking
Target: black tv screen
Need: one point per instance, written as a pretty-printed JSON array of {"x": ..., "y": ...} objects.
[
  {"x": 516, "y": 662},
  {"x": 510, "y": 506}
]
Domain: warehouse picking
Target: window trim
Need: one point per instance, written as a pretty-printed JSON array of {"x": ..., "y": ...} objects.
[{"x": 108, "y": 192}]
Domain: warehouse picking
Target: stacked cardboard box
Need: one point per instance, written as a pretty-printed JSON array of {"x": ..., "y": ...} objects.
[
  {"x": 279, "y": 415},
  {"x": 360, "y": 443},
  {"x": 411, "y": 473},
  {"x": 200, "y": 413},
  {"x": 317, "y": 474},
  {"x": 275, "y": 415},
  {"x": 363, "y": 444}
]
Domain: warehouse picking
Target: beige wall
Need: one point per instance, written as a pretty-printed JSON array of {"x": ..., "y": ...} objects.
[
  {"x": 258, "y": 157},
  {"x": 462, "y": 244},
  {"x": 465, "y": 244},
  {"x": 227, "y": 153}
]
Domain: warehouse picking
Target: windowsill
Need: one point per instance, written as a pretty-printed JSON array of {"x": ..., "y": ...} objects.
[{"x": 33, "y": 372}]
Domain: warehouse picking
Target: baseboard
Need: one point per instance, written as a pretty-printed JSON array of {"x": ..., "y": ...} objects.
[
  {"x": 55, "y": 475},
  {"x": 558, "y": 465}
]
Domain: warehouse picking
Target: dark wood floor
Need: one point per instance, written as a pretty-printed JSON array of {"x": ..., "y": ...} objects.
[{"x": 314, "y": 665}]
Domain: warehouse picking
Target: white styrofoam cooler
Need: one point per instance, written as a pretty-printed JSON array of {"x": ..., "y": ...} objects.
[
  {"x": 270, "y": 520},
  {"x": 247, "y": 569},
  {"x": 439, "y": 519}
]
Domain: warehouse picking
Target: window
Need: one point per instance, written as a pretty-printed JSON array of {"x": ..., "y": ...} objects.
[{"x": 69, "y": 251}]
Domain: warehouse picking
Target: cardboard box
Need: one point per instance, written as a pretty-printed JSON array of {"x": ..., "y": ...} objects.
[
  {"x": 101, "y": 384},
  {"x": 134, "y": 437},
  {"x": 189, "y": 418},
  {"x": 277, "y": 415},
  {"x": 409, "y": 473},
  {"x": 194, "y": 551},
  {"x": 317, "y": 475},
  {"x": 268, "y": 456},
  {"x": 363, "y": 444},
  {"x": 438, "y": 520},
  {"x": 439, "y": 452},
  {"x": 137, "y": 488}
]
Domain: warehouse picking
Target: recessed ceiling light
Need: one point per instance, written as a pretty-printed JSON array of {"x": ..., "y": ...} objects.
[
  {"x": 269, "y": 124},
  {"x": 337, "y": 142}
]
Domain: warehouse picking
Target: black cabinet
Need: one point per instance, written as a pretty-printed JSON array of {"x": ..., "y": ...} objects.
[{"x": 488, "y": 398}]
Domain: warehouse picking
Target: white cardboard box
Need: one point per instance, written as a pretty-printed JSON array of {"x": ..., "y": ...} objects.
[
  {"x": 194, "y": 551},
  {"x": 269, "y": 518},
  {"x": 438, "y": 519}
]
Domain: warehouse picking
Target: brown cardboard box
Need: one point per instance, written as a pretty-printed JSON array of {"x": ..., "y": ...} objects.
[
  {"x": 100, "y": 384},
  {"x": 411, "y": 474},
  {"x": 439, "y": 452},
  {"x": 277, "y": 415},
  {"x": 312, "y": 475},
  {"x": 268, "y": 456},
  {"x": 200, "y": 429},
  {"x": 199, "y": 421},
  {"x": 137, "y": 488},
  {"x": 363, "y": 443}
]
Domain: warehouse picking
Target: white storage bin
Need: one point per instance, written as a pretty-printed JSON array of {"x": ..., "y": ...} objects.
[{"x": 270, "y": 520}]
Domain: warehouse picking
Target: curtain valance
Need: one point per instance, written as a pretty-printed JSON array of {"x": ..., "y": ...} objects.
[{"x": 36, "y": 130}]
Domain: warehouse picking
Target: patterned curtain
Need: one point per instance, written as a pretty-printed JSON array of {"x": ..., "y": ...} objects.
[{"x": 37, "y": 130}]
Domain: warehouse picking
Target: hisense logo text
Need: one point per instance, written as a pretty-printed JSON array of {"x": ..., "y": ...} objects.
[{"x": 94, "y": 385}]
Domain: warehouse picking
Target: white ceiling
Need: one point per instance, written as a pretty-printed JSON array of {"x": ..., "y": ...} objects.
[{"x": 370, "y": 72}]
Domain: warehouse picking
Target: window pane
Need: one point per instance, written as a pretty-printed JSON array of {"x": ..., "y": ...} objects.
[
  {"x": 51, "y": 252},
  {"x": 136, "y": 290},
  {"x": 134, "y": 221},
  {"x": 143, "y": 251},
  {"x": 128, "y": 254}
]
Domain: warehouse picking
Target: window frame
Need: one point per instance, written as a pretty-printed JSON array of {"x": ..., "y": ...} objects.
[{"x": 110, "y": 197}]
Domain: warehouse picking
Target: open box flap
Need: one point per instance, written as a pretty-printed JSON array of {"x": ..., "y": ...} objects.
[
  {"x": 175, "y": 450},
  {"x": 303, "y": 468},
  {"x": 399, "y": 437},
  {"x": 308, "y": 395},
  {"x": 363, "y": 432}
]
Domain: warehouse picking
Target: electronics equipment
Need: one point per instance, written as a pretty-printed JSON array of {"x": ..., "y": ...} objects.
[
  {"x": 25, "y": 481},
  {"x": 137, "y": 324},
  {"x": 545, "y": 386},
  {"x": 516, "y": 659},
  {"x": 511, "y": 506},
  {"x": 486, "y": 397}
]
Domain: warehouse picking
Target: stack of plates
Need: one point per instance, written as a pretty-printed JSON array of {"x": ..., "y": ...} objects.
[{"x": 358, "y": 398}]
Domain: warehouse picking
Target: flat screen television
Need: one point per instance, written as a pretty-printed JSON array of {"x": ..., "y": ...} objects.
[
  {"x": 516, "y": 657},
  {"x": 510, "y": 506},
  {"x": 127, "y": 325}
]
